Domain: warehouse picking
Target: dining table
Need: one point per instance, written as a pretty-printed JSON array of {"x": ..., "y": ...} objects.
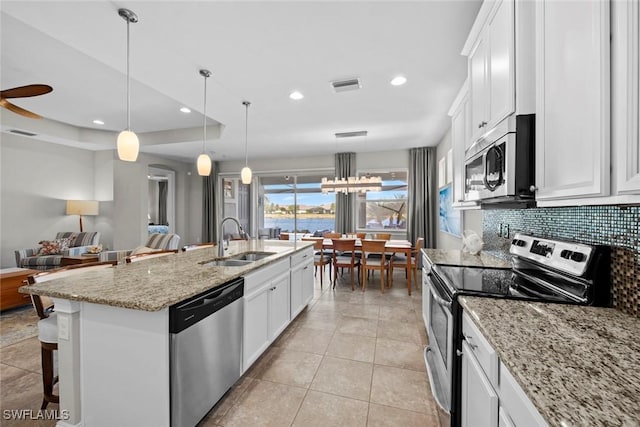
[{"x": 391, "y": 246}]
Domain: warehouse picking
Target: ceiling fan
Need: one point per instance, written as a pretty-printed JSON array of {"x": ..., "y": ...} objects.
[{"x": 23, "y": 92}]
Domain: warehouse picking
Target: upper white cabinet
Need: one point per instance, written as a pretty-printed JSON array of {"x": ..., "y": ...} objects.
[
  {"x": 625, "y": 105},
  {"x": 491, "y": 51},
  {"x": 572, "y": 99}
]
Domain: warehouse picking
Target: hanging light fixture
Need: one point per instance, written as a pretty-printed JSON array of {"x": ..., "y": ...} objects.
[
  {"x": 128, "y": 144},
  {"x": 245, "y": 174},
  {"x": 204, "y": 161},
  {"x": 351, "y": 184}
]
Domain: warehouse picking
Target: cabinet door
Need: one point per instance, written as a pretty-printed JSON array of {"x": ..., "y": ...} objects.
[
  {"x": 477, "y": 88},
  {"x": 479, "y": 401},
  {"x": 307, "y": 283},
  {"x": 279, "y": 314},
  {"x": 625, "y": 106},
  {"x": 572, "y": 99},
  {"x": 296, "y": 292},
  {"x": 256, "y": 336},
  {"x": 501, "y": 79}
]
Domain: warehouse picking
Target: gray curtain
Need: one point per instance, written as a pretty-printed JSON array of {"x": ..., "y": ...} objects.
[
  {"x": 345, "y": 211},
  {"x": 210, "y": 206},
  {"x": 163, "y": 188},
  {"x": 422, "y": 200}
]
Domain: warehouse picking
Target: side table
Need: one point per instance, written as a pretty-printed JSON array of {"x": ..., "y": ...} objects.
[
  {"x": 82, "y": 259},
  {"x": 10, "y": 280}
]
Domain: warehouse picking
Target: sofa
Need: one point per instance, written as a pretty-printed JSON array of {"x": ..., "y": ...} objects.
[
  {"x": 155, "y": 242},
  {"x": 45, "y": 257}
]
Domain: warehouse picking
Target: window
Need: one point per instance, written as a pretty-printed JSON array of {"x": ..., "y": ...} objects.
[
  {"x": 386, "y": 209},
  {"x": 313, "y": 210}
]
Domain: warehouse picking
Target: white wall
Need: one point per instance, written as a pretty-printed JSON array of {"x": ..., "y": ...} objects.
[
  {"x": 471, "y": 219},
  {"x": 37, "y": 178}
]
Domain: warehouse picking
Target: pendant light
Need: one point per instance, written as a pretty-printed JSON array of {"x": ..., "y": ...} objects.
[
  {"x": 245, "y": 174},
  {"x": 128, "y": 144},
  {"x": 204, "y": 161}
]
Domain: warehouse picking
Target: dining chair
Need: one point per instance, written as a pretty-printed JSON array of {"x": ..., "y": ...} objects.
[
  {"x": 340, "y": 260},
  {"x": 283, "y": 236},
  {"x": 381, "y": 236},
  {"x": 48, "y": 323},
  {"x": 149, "y": 255},
  {"x": 320, "y": 258},
  {"x": 331, "y": 235},
  {"x": 381, "y": 263},
  {"x": 400, "y": 261}
]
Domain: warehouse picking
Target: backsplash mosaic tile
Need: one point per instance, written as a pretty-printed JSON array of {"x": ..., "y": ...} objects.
[{"x": 616, "y": 226}]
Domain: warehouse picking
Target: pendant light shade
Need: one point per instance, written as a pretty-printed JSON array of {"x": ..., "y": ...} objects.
[
  {"x": 204, "y": 165},
  {"x": 246, "y": 174},
  {"x": 128, "y": 144},
  {"x": 204, "y": 161}
]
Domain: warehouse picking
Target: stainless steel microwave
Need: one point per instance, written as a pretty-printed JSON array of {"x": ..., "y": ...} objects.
[{"x": 500, "y": 167}]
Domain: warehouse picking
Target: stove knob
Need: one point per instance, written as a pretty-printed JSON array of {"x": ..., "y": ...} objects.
[
  {"x": 578, "y": 257},
  {"x": 565, "y": 254}
]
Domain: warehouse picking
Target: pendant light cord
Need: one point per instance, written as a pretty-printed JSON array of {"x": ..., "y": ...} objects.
[
  {"x": 204, "y": 116},
  {"x": 128, "y": 81},
  {"x": 246, "y": 133}
]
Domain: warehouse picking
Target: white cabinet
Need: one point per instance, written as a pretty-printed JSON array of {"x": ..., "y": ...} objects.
[
  {"x": 479, "y": 399},
  {"x": 460, "y": 113},
  {"x": 279, "y": 315},
  {"x": 572, "y": 99},
  {"x": 490, "y": 395},
  {"x": 625, "y": 102},
  {"x": 256, "y": 337},
  {"x": 301, "y": 281},
  {"x": 491, "y": 66}
]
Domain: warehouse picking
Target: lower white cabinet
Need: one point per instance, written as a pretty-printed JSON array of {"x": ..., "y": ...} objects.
[
  {"x": 278, "y": 305},
  {"x": 255, "y": 337},
  {"x": 301, "y": 282},
  {"x": 491, "y": 398},
  {"x": 479, "y": 399}
]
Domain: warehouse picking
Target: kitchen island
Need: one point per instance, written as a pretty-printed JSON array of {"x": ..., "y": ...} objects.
[
  {"x": 113, "y": 329},
  {"x": 578, "y": 365}
]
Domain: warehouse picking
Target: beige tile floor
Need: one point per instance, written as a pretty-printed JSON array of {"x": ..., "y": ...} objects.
[{"x": 349, "y": 359}]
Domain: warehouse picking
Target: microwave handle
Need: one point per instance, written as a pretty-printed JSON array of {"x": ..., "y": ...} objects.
[{"x": 490, "y": 186}]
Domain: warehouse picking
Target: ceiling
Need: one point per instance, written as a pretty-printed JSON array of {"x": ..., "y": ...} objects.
[{"x": 257, "y": 51}]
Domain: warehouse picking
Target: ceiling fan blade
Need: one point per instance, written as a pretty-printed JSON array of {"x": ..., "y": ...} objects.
[
  {"x": 11, "y": 107},
  {"x": 26, "y": 91}
]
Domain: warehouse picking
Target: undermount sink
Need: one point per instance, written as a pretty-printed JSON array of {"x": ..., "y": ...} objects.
[
  {"x": 251, "y": 256},
  {"x": 239, "y": 260},
  {"x": 228, "y": 263}
]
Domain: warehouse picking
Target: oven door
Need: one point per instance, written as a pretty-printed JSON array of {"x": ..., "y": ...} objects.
[{"x": 438, "y": 355}]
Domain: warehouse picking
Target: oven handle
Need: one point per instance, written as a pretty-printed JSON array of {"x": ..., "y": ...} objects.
[
  {"x": 436, "y": 294},
  {"x": 490, "y": 186}
]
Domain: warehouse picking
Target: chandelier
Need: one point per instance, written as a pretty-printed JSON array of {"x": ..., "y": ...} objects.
[{"x": 352, "y": 184}]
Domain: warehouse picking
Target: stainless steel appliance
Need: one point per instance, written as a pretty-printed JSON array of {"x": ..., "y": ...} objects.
[
  {"x": 205, "y": 350},
  {"x": 543, "y": 270},
  {"x": 500, "y": 167}
]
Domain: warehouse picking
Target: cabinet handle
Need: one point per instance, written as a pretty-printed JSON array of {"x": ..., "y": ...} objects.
[
  {"x": 483, "y": 124},
  {"x": 479, "y": 125},
  {"x": 468, "y": 339},
  {"x": 533, "y": 188},
  {"x": 306, "y": 268},
  {"x": 459, "y": 353}
]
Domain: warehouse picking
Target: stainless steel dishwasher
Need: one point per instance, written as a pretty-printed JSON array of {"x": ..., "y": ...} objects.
[{"x": 205, "y": 356}]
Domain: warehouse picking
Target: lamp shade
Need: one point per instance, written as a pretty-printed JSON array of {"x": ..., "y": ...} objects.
[
  {"x": 128, "y": 146},
  {"x": 245, "y": 174},
  {"x": 204, "y": 165},
  {"x": 82, "y": 207}
]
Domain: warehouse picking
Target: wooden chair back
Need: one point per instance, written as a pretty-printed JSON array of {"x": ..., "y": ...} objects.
[
  {"x": 331, "y": 235},
  {"x": 372, "y": 247},
  {"x": 381, "y": 236},
  {"x": 284, "y": 236},
  {"x": 317, "y": 242},
  {"x": 43, "y": 304},
  {"x": 340, "y": 246}
]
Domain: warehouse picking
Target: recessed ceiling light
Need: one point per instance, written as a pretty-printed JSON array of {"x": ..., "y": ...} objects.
[
  {"x": 296, "y": 95},
  {"x": 185, "y": 110},
  {"x": 98, "y": 122},
  {"x": 399, "y": 80}
]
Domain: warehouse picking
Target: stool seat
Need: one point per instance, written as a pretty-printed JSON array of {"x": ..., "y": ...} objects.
[{"x": 48, "y": 329}]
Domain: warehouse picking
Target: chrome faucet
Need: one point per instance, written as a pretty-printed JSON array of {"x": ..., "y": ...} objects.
[{"x": 222, "y": 242}]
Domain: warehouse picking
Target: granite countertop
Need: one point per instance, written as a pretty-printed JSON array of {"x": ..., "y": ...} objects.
[
  {"x": 464, "y": 259},
  {"x": 578, "y": 365},
  {"x": 157, "y": 283}
]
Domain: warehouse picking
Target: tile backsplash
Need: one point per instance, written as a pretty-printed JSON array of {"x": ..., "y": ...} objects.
[{"x": 616, "y": 226}]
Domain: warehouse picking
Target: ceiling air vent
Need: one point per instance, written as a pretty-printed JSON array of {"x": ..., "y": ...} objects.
[
  {"x": 345, "y": 85},
  {"x": 351, "y": 134},
  {"x": 22, "y": 132}
]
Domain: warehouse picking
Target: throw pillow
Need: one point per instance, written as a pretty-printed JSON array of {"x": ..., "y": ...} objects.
[
  {"x": 143, "y": 250},
  {"x": 49, "y": 247}
]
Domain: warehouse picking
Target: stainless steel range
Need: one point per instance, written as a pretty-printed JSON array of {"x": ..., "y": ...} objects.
[{"x": 542, "y": 270}]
